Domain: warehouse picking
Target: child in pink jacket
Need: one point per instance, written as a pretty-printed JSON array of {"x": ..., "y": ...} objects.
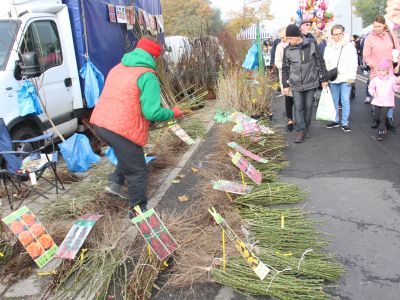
[{"x": 383, "y": 88}]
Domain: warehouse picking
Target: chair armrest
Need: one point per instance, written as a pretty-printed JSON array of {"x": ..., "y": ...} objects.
[
  {"x": 13, "y": 152},
  {"x": 35, "y": 139}
]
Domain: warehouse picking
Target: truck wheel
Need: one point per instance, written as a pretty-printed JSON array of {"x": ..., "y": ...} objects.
[{"x": 23, "y": 133}]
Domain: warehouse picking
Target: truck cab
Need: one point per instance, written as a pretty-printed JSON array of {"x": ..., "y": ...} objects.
[{"x": 43, "y": 27}]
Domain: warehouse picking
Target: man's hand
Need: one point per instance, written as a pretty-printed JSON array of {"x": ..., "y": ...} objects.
[
  {"x": 325, "y": 84},
  {"x": 351, "y": 81},
  {"x": 285, "y": 91}
]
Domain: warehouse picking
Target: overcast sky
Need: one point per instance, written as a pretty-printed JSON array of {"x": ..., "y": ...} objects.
[{"x": 282, "y": 11}]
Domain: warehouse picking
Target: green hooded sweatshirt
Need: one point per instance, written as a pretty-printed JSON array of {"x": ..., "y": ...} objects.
[{"x": 149, "y": 86}]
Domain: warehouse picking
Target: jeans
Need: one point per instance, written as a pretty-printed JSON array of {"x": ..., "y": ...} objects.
[
  {"x": 341, "y": 91},
  {"x": 303, "y": 107},
  {"x": 131, "y": 165},
  {"x": 390, "y": 112}
]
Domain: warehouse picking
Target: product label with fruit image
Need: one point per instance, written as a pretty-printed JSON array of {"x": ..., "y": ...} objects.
[
  {"x": 155, "y": 233},
  {"x": 32, "y": 235}
]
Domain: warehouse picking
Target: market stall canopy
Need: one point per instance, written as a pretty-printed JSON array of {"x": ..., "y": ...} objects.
[{"x": 250, "y": 33}]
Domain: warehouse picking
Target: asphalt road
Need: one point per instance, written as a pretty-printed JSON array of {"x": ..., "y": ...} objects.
[{"x": 354, "y": 184}]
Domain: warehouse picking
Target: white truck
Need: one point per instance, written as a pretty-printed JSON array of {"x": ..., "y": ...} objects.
[{"x": 54, "y": 30}]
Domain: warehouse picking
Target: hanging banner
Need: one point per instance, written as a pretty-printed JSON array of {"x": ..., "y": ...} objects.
[
  {"x": 141, "y": 19},
  {"x": 239, "y": 161},
  {"x": 121, "y": 14},
  {"x": 252, "y": 260},
  {"x": 130, "y": 17},
  {"x": 155, "y": 233},
  {"x": 111, "y": 13},
  {"x": 146, "y": 20},
  {"x": 160, "y": 23},
  {"x": 232, "y": 187},
  {"x": 32, "y": 235},
  {"x": 177, "y": 129},
  {"x": 76, "y": 236},
  {"x": 247, "y": 153}
]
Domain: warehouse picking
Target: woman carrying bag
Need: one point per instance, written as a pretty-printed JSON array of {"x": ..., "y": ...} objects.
[{"x": 341, "y": 62}]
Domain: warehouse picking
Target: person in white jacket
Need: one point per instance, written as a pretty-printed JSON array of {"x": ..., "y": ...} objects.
[{"x": 341, "y": 53}]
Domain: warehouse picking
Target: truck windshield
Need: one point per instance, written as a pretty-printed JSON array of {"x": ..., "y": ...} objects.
[{"x": 8, "y": 30}]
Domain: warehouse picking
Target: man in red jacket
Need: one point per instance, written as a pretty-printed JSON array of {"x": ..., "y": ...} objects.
[{"x": 129, "y": 101}]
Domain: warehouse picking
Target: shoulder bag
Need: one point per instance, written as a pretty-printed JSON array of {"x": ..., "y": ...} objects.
[{"x": 333, "y": 74}]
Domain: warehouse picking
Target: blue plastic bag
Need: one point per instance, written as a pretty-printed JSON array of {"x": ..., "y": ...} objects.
[
  {"x": 113, "y": 158},
  {"x": 28, "y": 100},
  {"x": 94, "y": 83},
  {"x": 251, "y": 60},
  {"x": 78, "y": 153}
]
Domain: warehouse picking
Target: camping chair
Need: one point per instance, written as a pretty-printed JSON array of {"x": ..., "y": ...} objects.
[{"x": 33, "y": 166}]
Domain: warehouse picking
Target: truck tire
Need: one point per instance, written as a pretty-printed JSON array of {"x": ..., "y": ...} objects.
[{"x": 21, "y": 133}]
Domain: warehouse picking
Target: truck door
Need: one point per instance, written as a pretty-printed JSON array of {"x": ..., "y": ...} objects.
[{"x": 54, "y": 84}]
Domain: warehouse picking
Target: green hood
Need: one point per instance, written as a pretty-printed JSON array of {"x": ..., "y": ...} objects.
[{"x": 139, "y": 58}]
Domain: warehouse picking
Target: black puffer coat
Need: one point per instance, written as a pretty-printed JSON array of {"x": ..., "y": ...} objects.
[{"x": 303, "y": 67}]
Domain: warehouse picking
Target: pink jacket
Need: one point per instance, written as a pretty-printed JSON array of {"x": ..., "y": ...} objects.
[
  {"x": 384, "y": 88},
  {"x": 377, "y": 48}
]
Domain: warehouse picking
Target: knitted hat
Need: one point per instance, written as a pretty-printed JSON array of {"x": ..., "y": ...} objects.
[
  {"x": 292, "y": 31},
  {"x": 149, "y": 46},
  {"x": 385, "y": 65}
]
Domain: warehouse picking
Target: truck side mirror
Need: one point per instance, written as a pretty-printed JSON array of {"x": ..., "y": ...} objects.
[{"x": 30, "y": 66}]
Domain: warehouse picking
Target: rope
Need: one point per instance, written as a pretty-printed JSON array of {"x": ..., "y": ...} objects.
[
  {"x": 85, "y": 31},
  {"x": 303, "y": 257}
]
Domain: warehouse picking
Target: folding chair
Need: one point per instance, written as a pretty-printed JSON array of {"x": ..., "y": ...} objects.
[{"x": 33, "y": 166}]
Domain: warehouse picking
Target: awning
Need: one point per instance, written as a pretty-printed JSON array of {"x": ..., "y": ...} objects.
[{"x": 250, "y": 33}]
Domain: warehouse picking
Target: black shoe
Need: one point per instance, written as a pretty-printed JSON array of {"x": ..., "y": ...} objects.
[
  {"x": 346, "y": 128},
  {"x": 117, "y": 190},
  {"x": 332, "y": 125},
  {"x": 375, "y": 124},
  {"x": 380, "y": 135},
  {"x": 132, "y": 213},
  {"x": 289, "y": 127}
]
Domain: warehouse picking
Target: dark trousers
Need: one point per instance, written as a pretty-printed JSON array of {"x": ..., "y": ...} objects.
[
  {"x": 303, "y": 108},
  {"x": 131, "y": 165},
  {"x": 289, "y": 107},
  {"x": 380, "y": 115}
]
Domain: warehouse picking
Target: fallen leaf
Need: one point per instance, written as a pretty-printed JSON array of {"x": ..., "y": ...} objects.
[
  {"x": 183, "y": 198},
  {"x": 176, "y": 181},
  {"x": 180, "y": 176},
  {"x": 195, "y": 170}
]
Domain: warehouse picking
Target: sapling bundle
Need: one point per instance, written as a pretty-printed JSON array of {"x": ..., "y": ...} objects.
[
  {"x": 298, "y": 232},
  {"x": 284, "y": 286},
  {"x": 272, "y": 194}
]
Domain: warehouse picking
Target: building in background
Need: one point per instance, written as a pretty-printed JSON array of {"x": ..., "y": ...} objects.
[{"x": 342, "y": 10}]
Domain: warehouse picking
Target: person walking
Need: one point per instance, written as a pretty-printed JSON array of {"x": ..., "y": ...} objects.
[
  {"x": 129, "y": 101},
  {"x": 340, "y": 53},
  {"x": 383, "y": 88},
  {"x": 378, "y": 46},
  {"x": 278, "y": 63},
  {"x": 306, "y": 31},
  {"x": 302, "y": 69}
]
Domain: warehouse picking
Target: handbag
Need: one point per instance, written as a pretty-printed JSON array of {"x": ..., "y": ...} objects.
[
  {"x": 333, "y": 74},
  {"x": 326, "y": 109}
]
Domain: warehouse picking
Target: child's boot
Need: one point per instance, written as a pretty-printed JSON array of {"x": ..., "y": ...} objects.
[{"x": 380, "y": 135}]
